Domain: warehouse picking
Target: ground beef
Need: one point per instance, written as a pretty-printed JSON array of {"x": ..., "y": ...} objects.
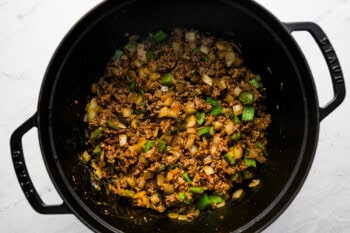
[{"x": 163, "y": 128}]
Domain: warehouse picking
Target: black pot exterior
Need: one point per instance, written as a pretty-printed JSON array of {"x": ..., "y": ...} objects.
[{"x": 267, "y": 47}]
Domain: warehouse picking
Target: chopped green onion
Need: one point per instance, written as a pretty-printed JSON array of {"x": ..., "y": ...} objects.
[
  {"x": 250, "y": 162},
  {"x": 127, "y": 193},
  {"x": 159, "y": 36},
  {"x": 167, "y": 80},
  {"x": 149, "y": 55},
  {"x": 248, "y": 114},
  {"x": 236, "y": 136},
  {"x": 216, "y": 111},
  {"x": 200, "y": 118},
  {"x": 204, "y": 202},
  {"x": 255, "y": 83},
  {"x": 96, "y": 133},
  {"x": 196, "y": 50},
  {"x": 132, "y": 85},
  {"x": 97, "y": 150},
  {"x": 229, "y": 158},
  {"x": 148, "y": 146},
  {"x": 117, "y": 55},
  {"x": 216, "y": 199},
  {"x": 187, "y": 177},
  {"x": 131, "y": 46},
  {"x": 246, "y": 97},
  {"x": 204, "y": 131},
  {"x": 211, "y": 101},
  {"x": 197, "y": 190},
  {"x": 111, "y": 125},
  {"x": 236, "y": 120},
  {"x": 161, "y": 146},
  {"x": 183, "y": 198}
]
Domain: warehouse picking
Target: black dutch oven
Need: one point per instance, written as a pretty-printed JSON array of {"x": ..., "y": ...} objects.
[{"x": 268, "y": 48}]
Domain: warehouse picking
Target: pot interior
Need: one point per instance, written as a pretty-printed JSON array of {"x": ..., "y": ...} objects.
[{"x": 263, "y": 51}]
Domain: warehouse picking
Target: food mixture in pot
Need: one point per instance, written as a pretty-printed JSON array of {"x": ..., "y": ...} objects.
[{"x": 176, "y": 124}]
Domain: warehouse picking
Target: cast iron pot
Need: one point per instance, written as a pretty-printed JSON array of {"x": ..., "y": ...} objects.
[{"x": 268, "y": 48}]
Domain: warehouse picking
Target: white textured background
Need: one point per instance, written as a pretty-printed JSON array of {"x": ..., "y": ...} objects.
[{"x": 30, "y": 31}]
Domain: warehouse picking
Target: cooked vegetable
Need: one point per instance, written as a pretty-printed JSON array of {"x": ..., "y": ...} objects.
[
  {"x": 197, "y": 190},
  {"x": 229, "y": 158},
  {"x": 117, "y": 55},
  {"x": 95, "y": 134},
  {"x": 187, "y": 177},
  {"x": 204, "y": 131},
  {"x": 175, "y": 124},
  {"x": 246, "y": 97},
  {"x": 204, "y": 202},
  {"x": 159, "y": 36},
  {"x": 211, "y": 101},
  {"x": 200, "y": 118},
  {"x": 250, "y": 162},
  {"x": 216, "y": 111},
  {"x": 148, "y": 146},
  {"x": 255, "y": 83},
  {"x": 161, "y": 146},
  {"x": 248, "y": 114},
  {"x": 236, "y": 136}
]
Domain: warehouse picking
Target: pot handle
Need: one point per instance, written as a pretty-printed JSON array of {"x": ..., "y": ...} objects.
[
  {"x": 23, "y": 175},
  {"x": 331, "y": 60}
]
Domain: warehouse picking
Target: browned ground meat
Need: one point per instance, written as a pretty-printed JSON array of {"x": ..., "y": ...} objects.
[{"x": 176, "y": 123}]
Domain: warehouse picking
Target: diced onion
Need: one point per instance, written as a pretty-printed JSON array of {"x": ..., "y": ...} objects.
[
  {"x": 220, "y": 46},
  {"x": 229, "y": 127},
  {"x": 222, "y": 84},
  {"x": 164, "y": 88},
  {"x": 216, "y": 139},
  {"x": 141, "y": 182},
  {"x": 237, "y": 91},
  {"x": 254, "y": 183},
  {"x": 217, "y": 125},
  {"x": 168, "y": 189},
  {"x": 182, "y": 217},
  {"x": 123, "y": 139},
  {"x": 191, "y": 121},
  {"x": 126, "y": 112},
  {"x": 189, "y": 108},
  {"x": 147, "y": 174},
  {"x": 213, "y": 150},
  {"x": 160, "y": 179},
  {"x": 173, "y": 215},
  {"x": 237, "y": 152},
  {"x": 176, "y": 46},
  {"x": 220, "y": 205},
  {"x": 190, "y": 141},
  {"x": 154, "y": 76},
  {"x": 85, "y": 157},
  {"x": 229, "y": 58},
  {"x": 193, "y": 149},
  {"x": 237, "y": 109},
  {"x": 204, "y": 49},
  {"x": 154, "y": 199},
  {"x": 206, "y": 79},
  {"x": 208, "y": 170},
  {"x": 237, "y": 194},
  {"x": 190, "y": 36},
  {"x": 207, "y": 160}
]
